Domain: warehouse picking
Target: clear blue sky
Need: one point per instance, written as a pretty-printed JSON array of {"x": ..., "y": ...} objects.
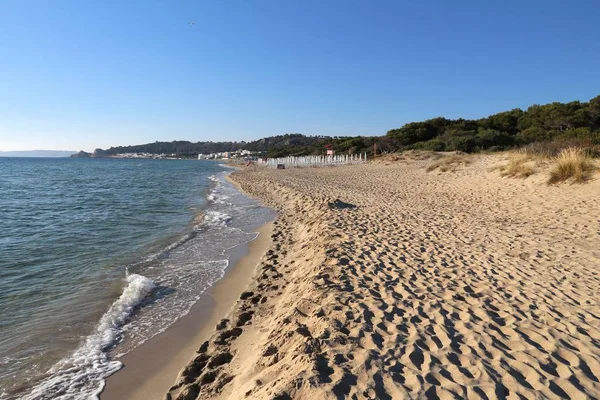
[{"x": 83, "y": 74}]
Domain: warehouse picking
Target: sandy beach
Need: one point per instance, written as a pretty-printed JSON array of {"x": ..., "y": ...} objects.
[{"x": 421, "y": 285}]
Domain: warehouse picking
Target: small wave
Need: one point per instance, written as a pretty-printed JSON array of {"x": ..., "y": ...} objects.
[
  {"x": 179, "y": 242},
  {"x": 214, "y": 178},
  {"x": 81, "y": 375}
]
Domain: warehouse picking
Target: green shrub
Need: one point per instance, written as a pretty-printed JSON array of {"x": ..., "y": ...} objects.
[
  {"x": 487, "y": 138},
  {"x": 434, "y": 145},
  {"x": 466, "y": 144}
]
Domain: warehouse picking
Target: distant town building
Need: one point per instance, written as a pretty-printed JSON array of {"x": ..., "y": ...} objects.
[{"x": 226, "y": 155}]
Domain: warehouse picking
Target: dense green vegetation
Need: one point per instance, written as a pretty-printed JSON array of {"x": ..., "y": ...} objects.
[
  {"x": 539, "y": 123},
  {"x": 574, "y": 121}
]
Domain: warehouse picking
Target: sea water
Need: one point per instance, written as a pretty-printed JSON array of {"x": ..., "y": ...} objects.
[{"x": 99, "y": 255}]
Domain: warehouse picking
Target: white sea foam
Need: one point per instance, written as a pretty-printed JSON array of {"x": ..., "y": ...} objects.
[
  {"x": 81, "y": 375},
  {"x": 218, "y": 198},
  {"x": 216, "y": 218},
  {"x": 212, "y": 197},
  {"x": 214, "y": 178}
]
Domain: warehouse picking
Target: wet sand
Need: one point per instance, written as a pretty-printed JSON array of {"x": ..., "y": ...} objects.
[
  {"x": 436, "y": 284},
  {"x": 150, "y": 370}
]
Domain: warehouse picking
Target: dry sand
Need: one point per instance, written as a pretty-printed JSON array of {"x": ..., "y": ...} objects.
[{"x": 437, "y": 285}]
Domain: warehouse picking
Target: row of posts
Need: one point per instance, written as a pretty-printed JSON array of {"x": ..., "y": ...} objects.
[{"x": 314, "y": 161}]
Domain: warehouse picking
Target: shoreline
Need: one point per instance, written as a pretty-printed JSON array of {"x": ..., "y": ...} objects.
[{"x": 150, "y": 369}]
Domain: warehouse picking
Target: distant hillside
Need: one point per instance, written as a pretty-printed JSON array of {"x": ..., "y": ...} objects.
[
  {"x": 574, "y": 122},
  {"x": 275, "y": 145},
  {"x": 179, "y": 147},
  {"x": 36, "y": 153}
]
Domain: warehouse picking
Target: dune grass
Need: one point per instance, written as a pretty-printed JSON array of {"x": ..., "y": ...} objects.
[
  {"x": 571, "y": 164},
  {"x": 520, "y": 165},
  {"x": 450, "y": 163},
  {"x": 568, "y": 160}
]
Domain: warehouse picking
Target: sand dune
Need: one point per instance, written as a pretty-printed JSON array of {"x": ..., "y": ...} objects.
[{"x": 437, "y": 285}]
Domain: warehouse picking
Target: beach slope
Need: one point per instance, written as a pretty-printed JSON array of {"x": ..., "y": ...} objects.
[{"x": 386, "y": 281}]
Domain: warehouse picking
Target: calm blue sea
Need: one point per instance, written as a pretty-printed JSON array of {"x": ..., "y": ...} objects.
[{"x": 98, "y": 255}]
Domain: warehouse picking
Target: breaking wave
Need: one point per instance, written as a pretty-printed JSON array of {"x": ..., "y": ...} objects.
[{"x": 81, "y": 375}]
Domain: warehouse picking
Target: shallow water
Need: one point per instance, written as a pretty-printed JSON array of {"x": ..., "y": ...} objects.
[{"x": 98, "y": 255}]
